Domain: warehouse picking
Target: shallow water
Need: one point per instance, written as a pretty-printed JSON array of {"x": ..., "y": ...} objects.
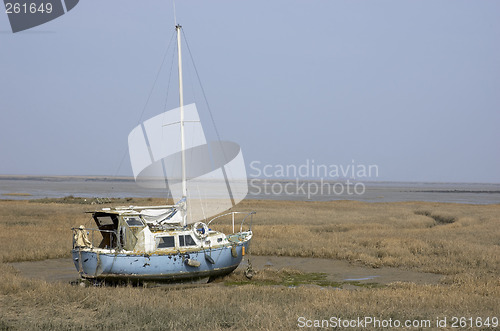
[{"x": 23, "y": 188}]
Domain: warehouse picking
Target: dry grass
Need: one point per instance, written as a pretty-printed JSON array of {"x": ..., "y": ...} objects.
[
  {"x": 459, "y": 241},
  {"x": 432, "y": 237},
  {"x": 42, "y": 230}
]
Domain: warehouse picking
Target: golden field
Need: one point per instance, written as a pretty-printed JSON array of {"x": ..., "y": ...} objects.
[{"x": 460, "y": 242}]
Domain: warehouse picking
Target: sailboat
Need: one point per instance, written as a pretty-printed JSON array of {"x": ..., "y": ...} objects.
[{"x": 172, "y": 242}]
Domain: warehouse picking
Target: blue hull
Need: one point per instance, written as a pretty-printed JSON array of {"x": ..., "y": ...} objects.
[{"x": 95, "y": 264}]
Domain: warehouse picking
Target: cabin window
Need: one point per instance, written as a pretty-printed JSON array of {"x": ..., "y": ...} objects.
[
  {"x": 166, "y": 242},
  {"x": 104, "y": 220},
  {"x": 186, "y": 240},
  {"x": 133, "y": 221}
]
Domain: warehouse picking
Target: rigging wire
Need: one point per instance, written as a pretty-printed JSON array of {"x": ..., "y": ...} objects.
[
  {"x": 147, "y": 100},
  {"x": 168, "y": 84},
  {"x": 167, "y": 95},
  {"x": 164, "y": 167},
  {"x": 201, "y": 86},
  {"x": 156, "y": 79},
  {"x": 212, "y": 118},
  {"x": 189, "y": 72}
]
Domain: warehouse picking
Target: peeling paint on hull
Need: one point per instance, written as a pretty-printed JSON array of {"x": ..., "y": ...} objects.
[{"x": 96, "y": 264}]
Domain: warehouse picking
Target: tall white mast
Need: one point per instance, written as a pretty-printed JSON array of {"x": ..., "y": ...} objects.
[{"x": 181, "y": 104}]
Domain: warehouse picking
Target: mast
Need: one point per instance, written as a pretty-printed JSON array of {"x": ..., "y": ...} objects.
[{"x": 181, "y": 105}]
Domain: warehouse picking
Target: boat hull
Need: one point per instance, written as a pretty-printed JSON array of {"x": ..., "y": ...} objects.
[{"x": 102, "y": 265}]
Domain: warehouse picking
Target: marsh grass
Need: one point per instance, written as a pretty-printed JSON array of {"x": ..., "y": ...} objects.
[
  {"x": 284, "y": 277},
  {"x": 290, "y": 278},
  {"x": 430, "y": 237},
  {"x": 461, "y": 242}
]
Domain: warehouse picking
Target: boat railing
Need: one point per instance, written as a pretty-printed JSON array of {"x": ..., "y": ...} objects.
[
  {"x": 247, "y": 215},
  {"x": 87, "y": 238},
  {"x": 140, "y": 207}
]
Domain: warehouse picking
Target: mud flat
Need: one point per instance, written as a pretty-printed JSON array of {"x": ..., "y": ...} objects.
[
  {"x": 51, "y": 270},
  {"x": 343, "y": 271},
  {"x": 63, "y": 270}
]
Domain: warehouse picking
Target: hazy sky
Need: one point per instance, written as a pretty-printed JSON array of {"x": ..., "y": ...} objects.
[{"x": 410, "y": 86}]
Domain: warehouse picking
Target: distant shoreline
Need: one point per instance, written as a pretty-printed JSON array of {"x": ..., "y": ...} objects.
[
  {"x": 65, "y": 178},
  {"x": 22, "y": 187},
  {"x": 131, "y": 179}
]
